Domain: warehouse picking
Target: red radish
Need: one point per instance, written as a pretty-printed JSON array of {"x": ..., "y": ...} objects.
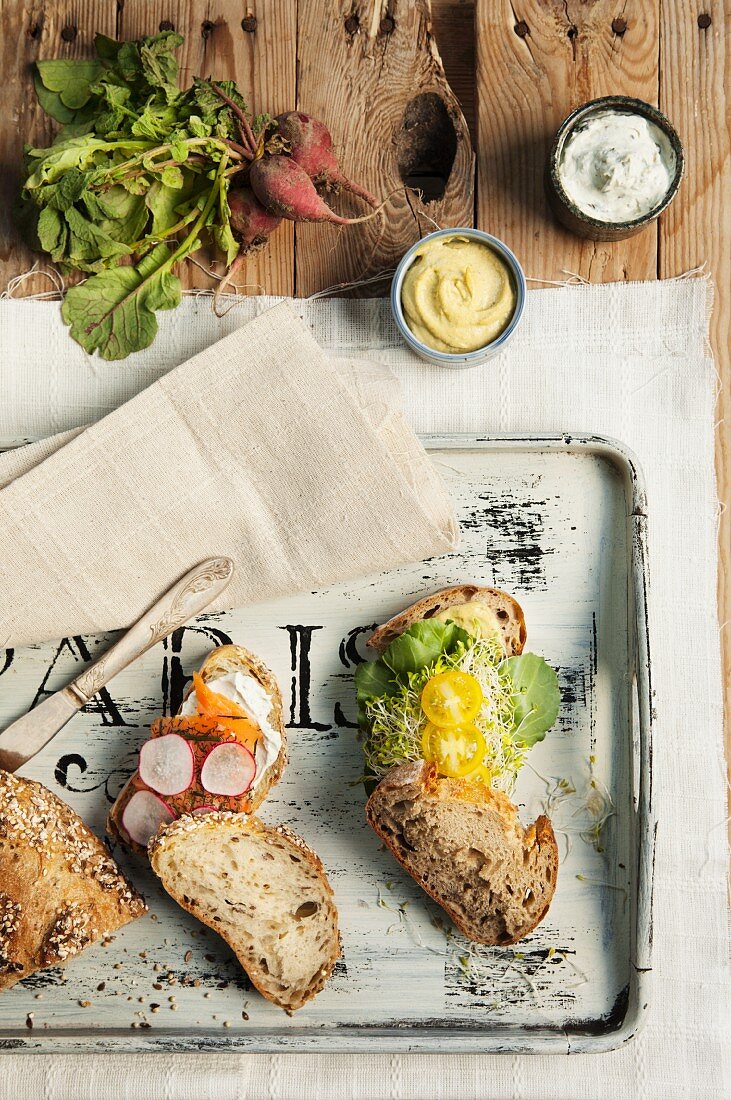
[
  {"x": 286, "y": 190},
  {"x": 167, "y": 764},
  {"x": 250, "y": 222},
  {"x": 228, "y": 769},
  {"x": 143, "y": 815},
  {"x": 311, "y": 147},
  {"x": 251, "y": 225},
  {"x": 203, "y": 810}
]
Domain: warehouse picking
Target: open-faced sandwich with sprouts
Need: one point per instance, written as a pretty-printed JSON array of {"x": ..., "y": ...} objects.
[{"x": 449, "y": 712}]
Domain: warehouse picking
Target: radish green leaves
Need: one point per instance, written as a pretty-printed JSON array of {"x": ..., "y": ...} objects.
[{"x": 138, "y": 176}]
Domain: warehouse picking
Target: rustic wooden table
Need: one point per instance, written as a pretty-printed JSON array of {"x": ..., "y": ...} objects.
[{"x": 370, "y": 67}]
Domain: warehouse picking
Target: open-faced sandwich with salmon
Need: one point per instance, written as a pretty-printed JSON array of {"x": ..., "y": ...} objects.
[
  {"x": 189, "y": 807},
  {"x": 449, "y": 712},
  {"x": 223, "y": 751}
]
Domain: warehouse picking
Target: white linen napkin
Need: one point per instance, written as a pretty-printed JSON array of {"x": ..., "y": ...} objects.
[{"x": 259, "y": 448}]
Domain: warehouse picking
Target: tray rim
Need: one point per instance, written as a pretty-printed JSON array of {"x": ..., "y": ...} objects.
[{"x": 508, "y": 1039}]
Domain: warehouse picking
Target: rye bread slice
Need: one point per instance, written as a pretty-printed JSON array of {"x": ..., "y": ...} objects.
[
  {"x": 508, "y": 611},
  {"x": 263, "y": 890},
  {"x": 465, "y": 846}
]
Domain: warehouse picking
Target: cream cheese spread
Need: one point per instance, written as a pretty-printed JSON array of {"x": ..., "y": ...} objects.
[
  {"x": 249, "y": 694},
  {"x": 617, "y": 166}
]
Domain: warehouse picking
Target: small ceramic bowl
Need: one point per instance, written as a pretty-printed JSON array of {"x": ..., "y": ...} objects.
[
  {"x": 469, "y": 358},
  {"x": 567, "y": 212}
]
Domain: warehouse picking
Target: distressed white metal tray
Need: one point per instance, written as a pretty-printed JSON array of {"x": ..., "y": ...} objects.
[{"x": 559, "y": 522}]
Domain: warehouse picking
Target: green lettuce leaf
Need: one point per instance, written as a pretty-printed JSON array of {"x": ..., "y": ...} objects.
[
  {"x": 422, "y": 644},
  {"x": 537, "y": 696},
  {"x": 417, "y": 648}
]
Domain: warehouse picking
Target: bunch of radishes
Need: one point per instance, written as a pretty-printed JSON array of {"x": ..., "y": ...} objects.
[{"x": 285, "y": 184}]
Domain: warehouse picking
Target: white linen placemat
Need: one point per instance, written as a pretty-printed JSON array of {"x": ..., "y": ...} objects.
[{"x": 629, "y": 361}]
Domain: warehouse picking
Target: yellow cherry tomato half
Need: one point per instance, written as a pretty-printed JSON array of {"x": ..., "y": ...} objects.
[
  {"x": 451, "y": 699},
  {"x": 457, "y": 752}
]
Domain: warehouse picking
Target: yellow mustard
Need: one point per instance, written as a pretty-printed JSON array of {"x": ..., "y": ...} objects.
[{"x": 458, "y": 295}]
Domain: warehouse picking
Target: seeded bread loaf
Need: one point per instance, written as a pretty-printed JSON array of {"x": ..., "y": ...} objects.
[
  {"x": 465, "y": 846},
  {"x": 263, "y": 890},
  {"x": 60, "y": 890},
  {"x": 507, "y": 610},
  {"x": 219, "y": 662}
]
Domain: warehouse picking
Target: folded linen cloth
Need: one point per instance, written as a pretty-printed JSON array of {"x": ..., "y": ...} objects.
[{"x": 301, "y": 469}]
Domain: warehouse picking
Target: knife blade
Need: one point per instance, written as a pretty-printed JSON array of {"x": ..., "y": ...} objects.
[{"x": 188, "y": 597}]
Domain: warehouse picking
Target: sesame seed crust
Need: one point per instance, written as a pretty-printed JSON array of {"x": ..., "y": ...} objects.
[{"x": 61, "y": 890}]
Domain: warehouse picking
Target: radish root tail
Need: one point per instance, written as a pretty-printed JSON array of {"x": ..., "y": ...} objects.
[{"x": 225, "y": 281}]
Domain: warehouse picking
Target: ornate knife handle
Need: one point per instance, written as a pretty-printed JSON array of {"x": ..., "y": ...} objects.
[{"x": 192, "y": 594}]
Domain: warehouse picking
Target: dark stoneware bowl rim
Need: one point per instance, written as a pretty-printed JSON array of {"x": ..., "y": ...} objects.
[{"x": 632, "y": 106}]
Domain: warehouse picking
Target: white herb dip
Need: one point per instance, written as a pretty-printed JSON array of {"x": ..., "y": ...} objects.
[{"x": 617, "y": 166}]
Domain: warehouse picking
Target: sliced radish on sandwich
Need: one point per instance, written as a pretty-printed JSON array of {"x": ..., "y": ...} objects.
[
  {"x": 228, "y": 769},
  {"x": 167, "y": 764},
  {"x": 203, "y": 810},
  {"x": 143, "y": 815}
]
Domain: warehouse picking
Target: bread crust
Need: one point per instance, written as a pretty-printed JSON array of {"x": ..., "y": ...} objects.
[
  {"x": 60, "y": 890},
  {"x": 509, "y": 612},
  {"x": 424, "y": 775},
  {"x": 213, "y": 821},
  {"x": 219, "y": 662}
]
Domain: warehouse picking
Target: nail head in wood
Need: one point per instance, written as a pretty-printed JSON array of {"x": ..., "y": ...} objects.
[
  {"x": 388, "y": 25},
  {"x": 207, "y": 28},
  {"x": 619, "y": 25},
  {"x": 522, "y": 29},
  {"x": 248, "y": 23},
  {"x": 166, "y": 25},
  {"x": 69, "y": 32},
  {"x": 704, "y": 20},
  {"x": 352, "y": 24}
]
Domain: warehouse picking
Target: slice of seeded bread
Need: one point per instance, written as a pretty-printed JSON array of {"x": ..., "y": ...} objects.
[
  {"x": 221, "y": 661},
  {"x": 263, "y": 890},
  {"x": 60, "y": 890},
  {"x": 508, "y": 611},
  {"x": 466, "y": 847}
]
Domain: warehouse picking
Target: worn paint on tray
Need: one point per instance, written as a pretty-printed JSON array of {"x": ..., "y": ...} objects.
[{"x": 550, "y": 525}]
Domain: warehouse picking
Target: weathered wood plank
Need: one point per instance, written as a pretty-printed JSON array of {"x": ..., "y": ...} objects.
[
  {"x": 262, "y": 59},
  {"x": 28, "y": 33},
  {"x": 536, "y": 61},
  {"x": 453, "y": 24},
  {"x": 695, "y": 91},
  {"x": 360, "y": 68}
]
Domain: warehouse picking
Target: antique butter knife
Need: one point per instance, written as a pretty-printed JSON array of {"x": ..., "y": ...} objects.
[{"x": 188, "y": 597}]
